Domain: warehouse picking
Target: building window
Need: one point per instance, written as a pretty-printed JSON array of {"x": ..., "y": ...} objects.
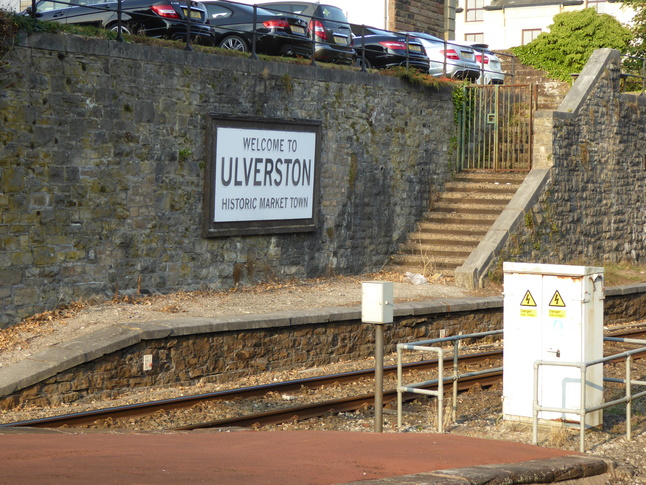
[
  {"x": 530, "y": 34},
  {"x": 475, "y": 10},
  {"x": 474, "y": 38},
  {"x": 593, "y": 3}
]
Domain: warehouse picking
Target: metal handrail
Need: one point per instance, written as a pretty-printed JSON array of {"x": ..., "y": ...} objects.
[
  {"x": 582, "y": 410},
  {"x": 419, "y": 387}
]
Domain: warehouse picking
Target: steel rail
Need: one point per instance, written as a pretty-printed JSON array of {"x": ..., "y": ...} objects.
[
  {"x": 316, "y": 410},
  {"x": 143, "y": 409}
]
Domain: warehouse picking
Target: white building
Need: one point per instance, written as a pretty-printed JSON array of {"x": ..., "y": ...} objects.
[{"x": 509, "y": 23}]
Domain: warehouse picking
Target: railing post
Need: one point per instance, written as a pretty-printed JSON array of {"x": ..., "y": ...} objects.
[
  {"x": 32, "y": 14},
  {"x": 582, "y": 413},
  {"x": 400, "y": 394},
  {"x": 363, "y": 48},
  {"x": 119, "y": 12},
  {"x": 407, "y": 50},
  {"x": 454, "y": 407},
  {"x": 188, "y": 26},
  {"x": 629, "y": 402},
  {"x": 254, "y": 32},
  {"x": 444, "y": 61}
]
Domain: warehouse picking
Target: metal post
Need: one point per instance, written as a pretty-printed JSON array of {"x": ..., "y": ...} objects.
[
  {"x": 400, "y": 393},
  {"x": 254, "y": 32},
  {"x": 33, "y": 9},
  {"x": 407, "y": 50},
  {"x": 119, "y": 12},
  {"x": 582, "y": 409},
  {"x": 379, "y": 377},
  {"x": 363, "y": 48},
  {"x": 188, "y": 26},
  {"x": 629, "y": 402},
  {"x": 456, "y": 346}
]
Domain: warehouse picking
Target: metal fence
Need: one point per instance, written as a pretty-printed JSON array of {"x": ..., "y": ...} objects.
[
  {"x": 583, "y": 410},
  {"x": 422, "y": 387},
  {"x": 120, "y": 26}
]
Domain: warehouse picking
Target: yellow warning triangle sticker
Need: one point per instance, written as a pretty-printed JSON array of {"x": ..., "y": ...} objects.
[
  {"x": 557, "y": 300},
  {"x": 528, "y": 300}
]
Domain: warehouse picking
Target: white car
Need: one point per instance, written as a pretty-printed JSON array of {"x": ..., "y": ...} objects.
[
  {"x": 448, "y": 58},
  {"x": 490, "y": 65}
]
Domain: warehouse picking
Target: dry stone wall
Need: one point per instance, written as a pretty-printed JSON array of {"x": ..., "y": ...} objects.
[{"x": 102, "y": 162}]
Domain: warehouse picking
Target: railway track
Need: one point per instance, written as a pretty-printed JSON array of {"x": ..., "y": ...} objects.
[{"x": 282, "y": 415}]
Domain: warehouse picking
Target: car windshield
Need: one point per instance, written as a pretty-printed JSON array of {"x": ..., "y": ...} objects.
[{"x": 330, "y": 13}]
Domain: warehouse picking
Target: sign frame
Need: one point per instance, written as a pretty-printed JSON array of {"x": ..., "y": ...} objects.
[{"x": 211, "y": 227}]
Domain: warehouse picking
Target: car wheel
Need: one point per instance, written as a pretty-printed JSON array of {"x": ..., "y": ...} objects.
[
  {"x": 362, "y": 63},
  {"x": 234, "y": 43},
  {"x": 125, "y": 29}
]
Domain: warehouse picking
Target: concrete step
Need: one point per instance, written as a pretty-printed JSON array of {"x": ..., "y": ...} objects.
[
  {"x": 482, "y": 198},
  {"x": 444, "y": 239},
  {"x": 459, "y": 218},
  {"x": 417, "y": 265},
  {"x": 458, "y": 208},
  {"x": 457, "y": 229},
  {"x": 433, "y": 250},
  {"x": 480, "y": 188}
]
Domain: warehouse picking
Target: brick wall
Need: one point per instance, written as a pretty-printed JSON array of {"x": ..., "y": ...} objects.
[{"x": 417, "y": 16}]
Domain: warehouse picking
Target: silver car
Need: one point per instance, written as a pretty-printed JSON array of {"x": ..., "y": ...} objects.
[
  {"x": 490, "y": 65},
  {"x": 448, "y": 58}
]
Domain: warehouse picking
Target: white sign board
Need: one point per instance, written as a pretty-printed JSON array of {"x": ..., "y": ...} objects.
[{"x": 263, "y": 176}]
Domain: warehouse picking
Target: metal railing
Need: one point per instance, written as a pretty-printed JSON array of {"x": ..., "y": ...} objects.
[
  {"x": 421, "y": 387},
  {"x": 634, "y": 72},
  {"x": 117, "y": 7},
  {"x": 582, "y": 410},
  {"x": 120, "y": 11}
]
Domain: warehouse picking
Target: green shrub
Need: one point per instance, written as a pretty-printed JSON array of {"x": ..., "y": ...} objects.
[{"x": 571, "y": 40}]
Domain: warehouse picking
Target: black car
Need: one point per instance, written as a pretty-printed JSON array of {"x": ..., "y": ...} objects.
[
  {"x": 382, "y": 49},
  {"x": 328, "y": 27},
  {"x": 154, "y": 18},
  {"x": 276, "y": 34}
]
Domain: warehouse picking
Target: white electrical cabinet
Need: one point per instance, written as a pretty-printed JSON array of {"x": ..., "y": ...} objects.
[{"x": 552, "y": 313}]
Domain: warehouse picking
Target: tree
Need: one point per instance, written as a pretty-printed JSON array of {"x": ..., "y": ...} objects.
[
  {"x": 571, "y": 40},
  {"x": 638, "y": 44}
]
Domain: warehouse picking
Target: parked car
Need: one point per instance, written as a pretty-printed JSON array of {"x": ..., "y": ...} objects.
[
  {"x": 490, "y": 65},
  {"x": 276, "y": 34},
  {"x": 382, "y": 49},
  {"x": 449, "y": 59},
  {"x": 154, "y": 18},
  {"x": 328, "y": 27}
]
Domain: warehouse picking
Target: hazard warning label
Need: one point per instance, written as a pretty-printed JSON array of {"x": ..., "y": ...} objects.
[
  {"x": 557, "y": 300},
  {"x": 528, "y": 306},
  {"x": 557, "y": 306}
]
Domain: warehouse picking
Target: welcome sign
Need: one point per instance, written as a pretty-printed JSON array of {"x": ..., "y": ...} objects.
[{"x": 262, "y": 176}]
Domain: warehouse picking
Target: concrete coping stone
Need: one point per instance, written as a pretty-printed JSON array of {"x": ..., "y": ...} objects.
[
  {"x": 103, "y": 341},
  {"x": 547, "y": 470},
  {"x": 626, "y": 289}
]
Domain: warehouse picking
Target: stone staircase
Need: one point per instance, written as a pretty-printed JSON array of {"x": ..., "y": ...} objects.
[
  {"x": 550, "y": 91},
  {"x": 457, "y": 222}
]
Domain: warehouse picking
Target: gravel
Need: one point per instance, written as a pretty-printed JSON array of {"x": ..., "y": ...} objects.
[{"x": 479, "y": 411}]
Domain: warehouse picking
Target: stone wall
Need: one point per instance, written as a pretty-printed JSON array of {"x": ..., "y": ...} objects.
[
  {"x": 102, "y": 159},
  {"x": 108, "y": 364},
  {"x": 592, "y": 211}
]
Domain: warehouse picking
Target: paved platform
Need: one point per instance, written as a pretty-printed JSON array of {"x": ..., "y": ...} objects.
[{"x": 236, "y": 457}]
